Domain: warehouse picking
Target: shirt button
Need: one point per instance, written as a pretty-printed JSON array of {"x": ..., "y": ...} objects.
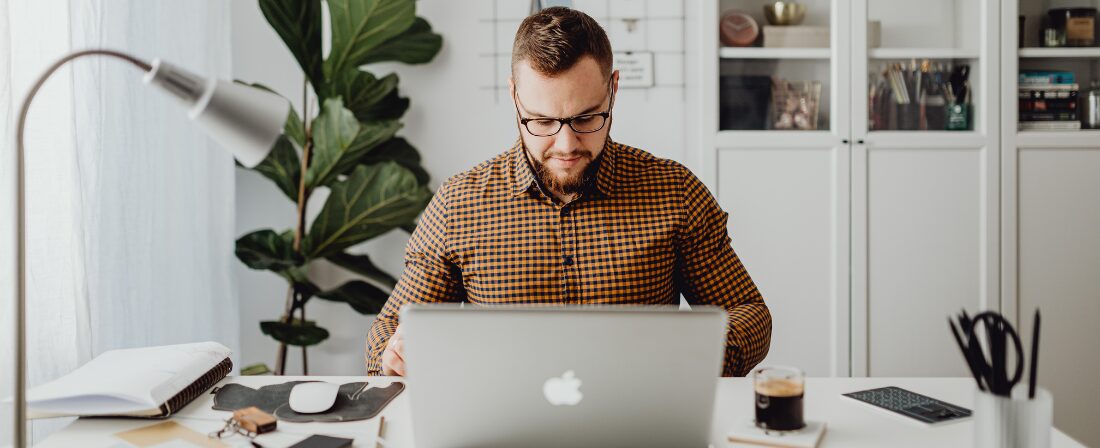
[{"x": 567, "y": 260}]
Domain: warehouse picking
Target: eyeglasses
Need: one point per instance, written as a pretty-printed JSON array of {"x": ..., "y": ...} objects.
[{"x": 581, "y": 124}]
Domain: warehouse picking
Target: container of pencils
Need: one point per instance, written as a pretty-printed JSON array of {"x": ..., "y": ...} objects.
[{"x": 1015, "y": 421}]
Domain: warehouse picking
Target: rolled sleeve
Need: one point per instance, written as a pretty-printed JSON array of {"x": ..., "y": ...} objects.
[
  {"x": 710, "y": 273},
  {"x": 430, "y": 276}
]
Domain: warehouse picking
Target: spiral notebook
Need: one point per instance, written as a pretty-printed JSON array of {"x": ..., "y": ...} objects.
[{"x": 148, "y": 382}]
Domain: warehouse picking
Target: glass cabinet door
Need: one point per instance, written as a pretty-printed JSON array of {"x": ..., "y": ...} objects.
[
  {"x": 924, "y": 63},
  {"x": 776, "y": 66},
  {"x": 1058, "y": 66}
]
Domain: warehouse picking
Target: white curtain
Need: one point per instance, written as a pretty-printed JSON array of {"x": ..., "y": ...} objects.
[{"x": 130, "y": 208}]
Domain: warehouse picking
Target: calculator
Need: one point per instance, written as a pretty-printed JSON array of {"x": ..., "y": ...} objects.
[{"x": 921, "y": 408}]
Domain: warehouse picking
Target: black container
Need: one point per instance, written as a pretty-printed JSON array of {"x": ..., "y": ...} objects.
[
  {"x": 1078, "y": 24},
  {"x": 743, "y": 102}
]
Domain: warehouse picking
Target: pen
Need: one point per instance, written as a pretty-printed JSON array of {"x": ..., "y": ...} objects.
[
  {"x": 378, "y": 438},
  {"x": 1034, "y": 357}
]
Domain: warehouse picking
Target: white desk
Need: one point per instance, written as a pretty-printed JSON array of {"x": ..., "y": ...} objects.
[{"x": 850, "y": 423}]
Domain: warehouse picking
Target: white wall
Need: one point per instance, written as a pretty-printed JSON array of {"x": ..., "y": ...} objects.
[{"x": 456, "y": 120}]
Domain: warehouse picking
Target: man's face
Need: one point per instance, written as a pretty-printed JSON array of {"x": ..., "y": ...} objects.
[{"x": 563, "y": 160}]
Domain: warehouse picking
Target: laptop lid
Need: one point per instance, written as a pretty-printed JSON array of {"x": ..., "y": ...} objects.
[{"x": 588, "y": 376}]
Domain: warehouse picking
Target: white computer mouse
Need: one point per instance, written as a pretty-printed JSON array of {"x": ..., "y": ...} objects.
[{"x": 313, "y": 397}]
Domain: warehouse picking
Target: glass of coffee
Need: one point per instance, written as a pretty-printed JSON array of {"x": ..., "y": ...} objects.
[{"x": 779, "y": 391}]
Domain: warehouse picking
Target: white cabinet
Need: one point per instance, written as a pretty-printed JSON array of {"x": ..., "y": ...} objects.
[
  {"x": 1051, "y": 226},
  {"x": 861, "y": 239}
]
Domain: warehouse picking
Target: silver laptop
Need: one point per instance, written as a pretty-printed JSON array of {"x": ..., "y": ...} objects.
[{"x": 562, "y": 377}]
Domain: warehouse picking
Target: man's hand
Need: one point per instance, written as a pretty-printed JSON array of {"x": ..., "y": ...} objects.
[{"x": 393, "y": 357}]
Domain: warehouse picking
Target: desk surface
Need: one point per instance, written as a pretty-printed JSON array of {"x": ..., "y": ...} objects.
[{"x": 850, "y": 423}]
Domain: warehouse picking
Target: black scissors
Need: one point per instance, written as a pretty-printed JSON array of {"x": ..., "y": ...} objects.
[{"x": 994, "y": 370}]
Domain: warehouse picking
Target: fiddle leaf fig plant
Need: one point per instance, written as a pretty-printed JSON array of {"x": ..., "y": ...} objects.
[{"x": 349, "y": 146}]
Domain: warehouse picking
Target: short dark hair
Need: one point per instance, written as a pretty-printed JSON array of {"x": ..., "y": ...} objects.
[{"x": 554, "y": 39}]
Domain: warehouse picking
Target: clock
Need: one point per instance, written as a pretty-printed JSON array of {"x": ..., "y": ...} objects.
[{"x": 738, "y": 29}]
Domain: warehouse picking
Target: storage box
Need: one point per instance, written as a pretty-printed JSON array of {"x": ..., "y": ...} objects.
[{"x": 797, "y": 36}]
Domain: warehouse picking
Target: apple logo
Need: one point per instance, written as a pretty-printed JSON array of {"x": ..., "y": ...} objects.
[{"x": 564, "y": 390}]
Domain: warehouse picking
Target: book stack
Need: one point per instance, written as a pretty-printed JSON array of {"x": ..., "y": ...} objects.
[{"x": 1048, "y": 101}]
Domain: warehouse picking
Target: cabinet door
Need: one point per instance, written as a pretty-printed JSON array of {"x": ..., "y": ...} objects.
[
  {"x": 925, "y": 178},
  {"x": 1058, "y": 255},
  {"x": 924, "y": 233},
  {"x": 788, "y": 220},
  {"x": 925, "y": 66}
]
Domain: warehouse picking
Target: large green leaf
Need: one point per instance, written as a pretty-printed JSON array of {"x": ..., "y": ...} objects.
[
  {"x": 334, "y": 130},
  {"x": 369, "y": 202},
  {"x": 367, "y": 97},
  {"x": 265, "y": 249},
  {"x": 339, "y": 141},
  {"x": 362, "y": 296},
  {"x": 298, "y": 23},
  {"x": 295, "y": 332},
  {"x": 282, "y": 167},
  {"x": 399, "y": 150},
  {"x": 359, "y": 26},
  {"x": 392, "y": 106},
  {"x": 361, "y": 264},
  {"x": 417, "y": 45}
]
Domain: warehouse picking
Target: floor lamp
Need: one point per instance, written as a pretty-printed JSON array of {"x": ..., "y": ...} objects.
[{"x": 244, "y": 120}]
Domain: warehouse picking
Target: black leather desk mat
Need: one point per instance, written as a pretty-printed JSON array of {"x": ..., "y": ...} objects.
[{"x": 274, "y": 398}]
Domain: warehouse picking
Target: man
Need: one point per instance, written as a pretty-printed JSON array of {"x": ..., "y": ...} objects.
[{"x": 568, "y": 216}]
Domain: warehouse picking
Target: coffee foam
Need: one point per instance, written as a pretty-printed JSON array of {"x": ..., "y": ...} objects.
[{"x": 779, "y": 387}]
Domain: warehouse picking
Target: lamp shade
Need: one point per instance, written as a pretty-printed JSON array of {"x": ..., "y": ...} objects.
[{"x": 244, "y": 120}]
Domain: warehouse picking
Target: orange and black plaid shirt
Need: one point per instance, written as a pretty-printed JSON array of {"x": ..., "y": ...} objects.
[{"x": 646, "y": 232}]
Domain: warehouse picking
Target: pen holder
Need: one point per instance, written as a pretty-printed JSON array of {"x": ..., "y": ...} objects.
[{"x": 1004, "y": 422}]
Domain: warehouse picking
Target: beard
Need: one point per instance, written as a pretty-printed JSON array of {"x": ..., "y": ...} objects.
[{"x": 571, "y": 183}]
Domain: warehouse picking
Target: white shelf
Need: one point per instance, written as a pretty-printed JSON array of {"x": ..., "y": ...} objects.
[
  {"x": 773, "y": 53},
  {"x": 1085, "y": 138},
  {"x": 925, "y": 139},
  {"x": 1087, "y": 52},
  {"x": 922, "y": 53},
  {"x": 775, "y": 139}
]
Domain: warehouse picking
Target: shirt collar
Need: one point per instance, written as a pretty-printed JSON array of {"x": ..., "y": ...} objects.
[{"x": 524, "y": 177}]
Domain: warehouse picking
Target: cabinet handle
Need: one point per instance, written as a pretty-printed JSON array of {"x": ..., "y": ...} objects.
[
  {"x": 845, "y": 141},
  {"x": 860, "y": 141}
]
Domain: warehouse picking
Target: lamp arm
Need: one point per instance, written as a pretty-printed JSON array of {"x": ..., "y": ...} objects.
[{"x": 20, "y": 414}]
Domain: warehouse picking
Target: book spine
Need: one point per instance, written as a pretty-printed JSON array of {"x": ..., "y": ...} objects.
[
  {"x": 1048, "y": 116},
  {"x": 1073, "y": 86},
  {"x": 1050, "y": 77},
  {"x": 1048, "y": 105},
  {"x": 1044, "y": 94},
  {"x": 195, "y": 389},
  {"x": 1049, "y": 125}
]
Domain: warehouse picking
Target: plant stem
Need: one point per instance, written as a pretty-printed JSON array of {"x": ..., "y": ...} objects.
[
  {"x": 280, "y": 355},
  {"x": 303, "y": 199},
  {"x": 302, "y": 312},
  {"x": 292, "y": 297}
]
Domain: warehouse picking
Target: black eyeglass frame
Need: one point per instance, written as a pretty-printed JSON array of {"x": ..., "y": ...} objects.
[{"x": 569, "y": 120}]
